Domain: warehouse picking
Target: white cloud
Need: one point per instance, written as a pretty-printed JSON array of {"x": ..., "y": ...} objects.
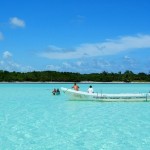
[
  {"x": 53, "y": 67},
  {"x": 26, "y": 68},
  {"x": 1, "y": 36},
  {"x": 109, "y": 47},
  {"x": 54, "y": 48},
  {"x": 126, "y": 57},
  {"x": 100, "y": 64},
  {"x": 7, "y": 63},
  {"x": 129, "y": 61},
  {"x": 7, "y": 55},
  {"x": 79, "y": 63},
  {"x": 66, "y": 65},
  {"x": 16, "y": 22},
  {"x": 1, "y": 62}
]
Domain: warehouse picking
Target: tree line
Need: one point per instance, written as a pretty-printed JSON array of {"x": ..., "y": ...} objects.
[{"x": 54, "y": 76}]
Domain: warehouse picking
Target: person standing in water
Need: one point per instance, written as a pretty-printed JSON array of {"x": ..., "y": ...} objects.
[
  {"x": 75, "y": 87},
  {"x": 54, "y": 91},
  {"x": 57, "y": 92}
]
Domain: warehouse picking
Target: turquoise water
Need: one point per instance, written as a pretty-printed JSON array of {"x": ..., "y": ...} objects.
[{"x": 31, "y": 118}]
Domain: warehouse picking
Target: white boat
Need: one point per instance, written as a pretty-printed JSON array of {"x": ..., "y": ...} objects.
[{"x": 104, "y": 97}]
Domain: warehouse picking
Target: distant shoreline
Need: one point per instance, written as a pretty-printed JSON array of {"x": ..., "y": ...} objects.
[{"x": 82, "y": 82}]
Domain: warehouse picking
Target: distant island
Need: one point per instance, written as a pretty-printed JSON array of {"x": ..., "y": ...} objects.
[{"x": 54, "y": 76}]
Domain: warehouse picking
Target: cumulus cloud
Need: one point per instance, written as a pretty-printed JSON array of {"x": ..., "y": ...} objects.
[
  {"x": 109, "y": 47},
  {"x": 130, "y": 62},
  {"x": 7, "y": 63},
  {"x": 53, "y": 67},
  {"x": 16, "y": 22},
  {"x": 1, "y": 36},
  {"x": 54, "y": 48},
  {"x": 100, "y": 64},
  {"x": 1, "y": 62},
  {"x": 7, "y": 55}
]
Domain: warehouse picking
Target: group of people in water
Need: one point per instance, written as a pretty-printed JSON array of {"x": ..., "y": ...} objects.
[
  {"x": 56, "y": 92},
  {"x": 75, "y": 87}
]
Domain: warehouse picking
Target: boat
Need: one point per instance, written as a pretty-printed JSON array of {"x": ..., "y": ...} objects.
[{"x": 104, "y": 97}]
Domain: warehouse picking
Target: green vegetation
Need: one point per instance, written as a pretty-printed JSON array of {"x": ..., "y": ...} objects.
[{"x": 46, "y": 76}]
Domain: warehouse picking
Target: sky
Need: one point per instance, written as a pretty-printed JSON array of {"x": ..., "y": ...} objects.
[{"x": 84, "y": 36}]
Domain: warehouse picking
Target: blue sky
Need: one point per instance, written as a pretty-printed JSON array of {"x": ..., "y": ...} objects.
[{"x": 85, "y": 36}]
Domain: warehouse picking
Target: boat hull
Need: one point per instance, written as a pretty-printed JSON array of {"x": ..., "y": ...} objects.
[{"x": 126, "y": 97}]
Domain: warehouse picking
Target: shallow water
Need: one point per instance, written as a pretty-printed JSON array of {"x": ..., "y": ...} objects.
[{"x": 31, "y": 118}]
